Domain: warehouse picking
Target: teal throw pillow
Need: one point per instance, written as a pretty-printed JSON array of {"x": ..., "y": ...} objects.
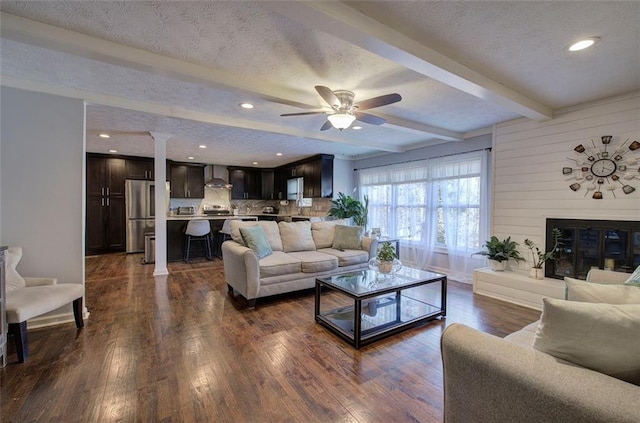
[
  {"x": 255, "y": 238},
  {"x": 348, "y": 237},
  {"x": 634, "y": 279}
]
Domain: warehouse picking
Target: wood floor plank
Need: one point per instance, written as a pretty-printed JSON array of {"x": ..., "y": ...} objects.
[{"x": 180, "y": 349}]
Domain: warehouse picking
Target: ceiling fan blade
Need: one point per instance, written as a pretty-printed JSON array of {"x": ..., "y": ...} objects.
[
  {"x": 382, "y": 100},
  {"x": 371, "y": 119},
  {"x": 317, "y": 112},
  {"x": 327, "y": 125},
  {"x": 328, "y": 95}
]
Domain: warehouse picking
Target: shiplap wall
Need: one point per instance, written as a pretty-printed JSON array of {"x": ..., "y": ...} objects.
[{"x": 528, "y": 184}]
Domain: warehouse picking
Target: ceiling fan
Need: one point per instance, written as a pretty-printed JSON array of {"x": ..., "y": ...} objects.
[{"x": 344, "y": 111}]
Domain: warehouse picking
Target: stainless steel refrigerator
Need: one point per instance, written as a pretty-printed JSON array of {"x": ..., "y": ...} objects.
[{"x": 140, "y": 206}]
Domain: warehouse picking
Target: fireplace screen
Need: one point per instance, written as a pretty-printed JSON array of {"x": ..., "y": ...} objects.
[{"x": 605, "y": 244}]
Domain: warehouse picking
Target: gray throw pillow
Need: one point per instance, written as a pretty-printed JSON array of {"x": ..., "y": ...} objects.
[
  {"x": 255, "y": 238},
  {"x": 348, "y": 237}
]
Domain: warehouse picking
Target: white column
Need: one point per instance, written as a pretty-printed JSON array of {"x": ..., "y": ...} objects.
[{"x": 160, "y": 172}]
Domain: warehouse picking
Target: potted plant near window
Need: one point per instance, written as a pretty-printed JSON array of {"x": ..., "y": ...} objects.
[
  {"x": 386, "y": 260},
  {"x": 539, "y": 257},
  {"x": 345, "y": 207},
  {"x": 499, "y": 252}
]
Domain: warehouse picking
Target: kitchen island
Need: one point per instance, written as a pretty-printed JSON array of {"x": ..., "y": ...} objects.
[{"x": 177, "y": 224}]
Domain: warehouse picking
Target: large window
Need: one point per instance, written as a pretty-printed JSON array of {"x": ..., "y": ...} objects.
[{"x": 430, "y": 204}]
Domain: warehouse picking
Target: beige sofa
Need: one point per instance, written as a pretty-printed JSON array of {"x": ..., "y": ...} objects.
[
  {"x": 302, "y": 252},
  {"x": 489, "y": 379}
]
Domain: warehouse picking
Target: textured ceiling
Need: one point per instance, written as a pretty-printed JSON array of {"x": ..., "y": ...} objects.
[{"x": 210, "y": 56}]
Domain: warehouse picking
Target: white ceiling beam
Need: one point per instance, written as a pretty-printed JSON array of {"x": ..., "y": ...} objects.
[
  {"x": 421, "y": 128},
  {"x": 50, "y": 37},
  {"x": 181, "y": 113},
  {"x": 344, "y": 22}
]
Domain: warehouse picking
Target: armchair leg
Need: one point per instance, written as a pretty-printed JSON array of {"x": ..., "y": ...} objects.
[
  {"x": 19, "y": 332},
  {"x": 77, "y": 312}
]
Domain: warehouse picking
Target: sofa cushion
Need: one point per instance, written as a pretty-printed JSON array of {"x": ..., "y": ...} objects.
[
  {"x": 634, "y": 279},
  {"x": 589, "y": 292},
  {"x": 322, "y": 232},
  {"x": 13, "y": 278},
  {"x": 314, "y": 261},
  {"x": 601, "y": 337},
  {"x": 296, "y": 236},
  {"x": 270, "y": 229},
  {"x": 347, "y": 257},
  {"x": 524, "y": 336},
  {"x": 278, "y": 264},
  {"x": 255, "y": 238},
  {"x": 347, "y": 237}
]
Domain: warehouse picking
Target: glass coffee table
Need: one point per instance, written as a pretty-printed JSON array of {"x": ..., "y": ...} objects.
[{"x": 371, "y": 306}]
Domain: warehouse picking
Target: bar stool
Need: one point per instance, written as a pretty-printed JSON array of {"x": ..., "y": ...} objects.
[
  {"x": 197, "y": 230},
  {"x": 223, "y": 235}
]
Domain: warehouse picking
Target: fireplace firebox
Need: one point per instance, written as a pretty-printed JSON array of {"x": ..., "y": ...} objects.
[{"x": 605, "y": 244}]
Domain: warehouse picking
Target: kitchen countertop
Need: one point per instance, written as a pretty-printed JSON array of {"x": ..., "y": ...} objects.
[{"x": 211, "y": 217}]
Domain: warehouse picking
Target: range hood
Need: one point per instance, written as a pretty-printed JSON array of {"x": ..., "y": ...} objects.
[{"x": 217, "y": 181}]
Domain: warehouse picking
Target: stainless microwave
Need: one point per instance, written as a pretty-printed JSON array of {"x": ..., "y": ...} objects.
[{"x": 295, "y": 188}]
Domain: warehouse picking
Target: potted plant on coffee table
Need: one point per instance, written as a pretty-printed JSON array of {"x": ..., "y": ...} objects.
[
  {"x": 386, "y": 258},
  {"x": 499, "y": 252},
  {"x": 540, "y": 257}
]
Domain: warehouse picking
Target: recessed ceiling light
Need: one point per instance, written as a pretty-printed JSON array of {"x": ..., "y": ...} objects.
[
  {"x": 582, "y": 44},
  {"x": 202, "y": 146},
  {"x": 356, "y": 128},
  {"x": 255, "y": 163},
  {"x": 104, "y": 135},
  {"x": 113, "y": 151},
  {"x": 246, "y": 105},
  {"x": 191, "y": 158},
  {"x": 278, "y": 154}
]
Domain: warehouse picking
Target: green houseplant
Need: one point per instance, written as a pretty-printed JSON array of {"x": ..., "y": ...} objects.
[
  {"x": 540, "y": 257},
  {"x": 499, "y": 252},
  {"x": 345, "y": 207},
  {"x": 386, "y": 257}
]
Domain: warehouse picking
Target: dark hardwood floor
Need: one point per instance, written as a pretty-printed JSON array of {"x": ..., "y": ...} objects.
[{"x": 180, "y": 349}]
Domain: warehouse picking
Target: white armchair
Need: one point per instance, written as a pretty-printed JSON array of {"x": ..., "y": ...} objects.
[{"x": 32, "y": 297}]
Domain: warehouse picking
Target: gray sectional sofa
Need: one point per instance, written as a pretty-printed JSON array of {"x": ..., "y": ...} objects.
[
  {"x": 300, "y": 252},
  {"x": 490, "y": 379}
]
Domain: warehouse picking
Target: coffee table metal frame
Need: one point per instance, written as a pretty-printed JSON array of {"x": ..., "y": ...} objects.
[{"x": 389, "y": 292}]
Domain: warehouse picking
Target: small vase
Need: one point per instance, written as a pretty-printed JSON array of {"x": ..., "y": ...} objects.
[
  {"x": 536, "y": 273},
  {"x": 498, "y": 266}
]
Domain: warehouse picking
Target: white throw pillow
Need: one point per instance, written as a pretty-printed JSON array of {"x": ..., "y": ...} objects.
[
  {"x": 323, "y": 232},
  {"x": 296, "y": 236},
  {"x": 13, "y": 278},
  {"x": 589, "y": 292},
  {"x": 601, "y": 337}
]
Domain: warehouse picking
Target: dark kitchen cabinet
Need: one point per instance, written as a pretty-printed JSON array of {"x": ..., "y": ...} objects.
[
  {"x": 246, "y": 183},
  {"x": 140, "y": 168},
  {"x": 105, "y": 229},
  {"x": 268, "y": 185},
  {"x": 187, "y": 180},
  {"x": 317, "y": 172}
]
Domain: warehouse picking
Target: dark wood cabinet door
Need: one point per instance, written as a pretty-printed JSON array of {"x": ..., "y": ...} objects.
[
  {"x": 140, "y": 169},
  {"x": 95, "y": 224},
  {"x": 195, "y": 181},
  {"x": 236, "y": 179},
  {"x": 253, "y": 184},
  {"x": 178, "y": 181},
  {"x": 326, "y": 177},
  {"x": 268, "y": 185},
  {"x": 96, "y": 184},
  {"x": 116, "y": 173},
  {"x": 117, "y": 229}
]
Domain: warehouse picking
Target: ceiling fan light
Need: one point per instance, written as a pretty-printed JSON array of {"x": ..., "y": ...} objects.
[{"x": 341, "y": 120}]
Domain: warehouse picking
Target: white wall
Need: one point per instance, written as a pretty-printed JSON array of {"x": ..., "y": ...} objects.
[
  {"x": 528, "y": 159},
  {"x": 343, "y": 177},
  {"x": 42, "y": 168}
]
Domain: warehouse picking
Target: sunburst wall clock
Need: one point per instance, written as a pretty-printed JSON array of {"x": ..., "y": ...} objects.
[{"x": 603, "y": 168}]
